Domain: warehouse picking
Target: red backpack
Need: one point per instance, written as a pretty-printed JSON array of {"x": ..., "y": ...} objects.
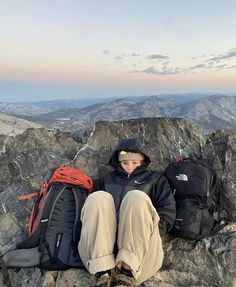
[
  {"x": 55, "y": 226},
  {"x": 66, "y": 175}
]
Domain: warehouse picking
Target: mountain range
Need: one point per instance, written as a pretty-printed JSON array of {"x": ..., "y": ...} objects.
[{"x": 208, "y": 113}]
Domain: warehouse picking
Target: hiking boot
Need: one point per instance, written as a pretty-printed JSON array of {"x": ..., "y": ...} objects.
[
  {"x": 101, "y": 281},
  {"x": 123, "y": 280}
]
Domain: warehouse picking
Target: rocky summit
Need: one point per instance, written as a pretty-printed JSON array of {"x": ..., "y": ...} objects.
[{"x": 25, "y": 158}]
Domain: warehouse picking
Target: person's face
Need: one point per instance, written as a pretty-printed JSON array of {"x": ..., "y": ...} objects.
[{"x": 130, "y": 165}]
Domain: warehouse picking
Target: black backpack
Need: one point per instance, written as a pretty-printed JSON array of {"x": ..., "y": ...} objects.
[
  {"x": 55, "y": 225},
  {"x": 193, "y": 185}
]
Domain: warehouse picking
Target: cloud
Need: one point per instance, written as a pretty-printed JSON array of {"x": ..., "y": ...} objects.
[
  {"x": 164, "y": 71},
  {"x": 157, "y": 57},
  {"x": 150, "y": 70},
  {"x": 106, "y": 52},
  {"x": 231, "y": 67},
  {"x": 215, "y": 62},
  {"x": 118, "y": 58},
  {"x": 227, "y": 56},
  {"x": 210, "y": 65},
  {"x": 136, "y": 55},
  {"x": 197, "y": 66},
  {"x": 168, "y": 71},
  {"x": 221, "y": 66},
  {"x": 166, "y": 63},
  {"x": 198, "y": 57}
]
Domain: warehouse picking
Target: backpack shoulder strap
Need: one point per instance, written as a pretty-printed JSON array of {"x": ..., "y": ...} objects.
[
  {"x": 46, "y": 209},
  {"x": 80, "y": 195}
]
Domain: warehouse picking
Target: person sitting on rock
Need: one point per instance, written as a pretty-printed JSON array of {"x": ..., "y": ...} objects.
[{"x": 123, "y": 220}]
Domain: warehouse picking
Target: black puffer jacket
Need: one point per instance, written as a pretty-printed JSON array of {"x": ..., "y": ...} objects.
[{"x": 118, "y": 183}]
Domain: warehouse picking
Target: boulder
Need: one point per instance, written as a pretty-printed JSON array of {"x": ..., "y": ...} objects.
[{"x": 27, "y": 157}]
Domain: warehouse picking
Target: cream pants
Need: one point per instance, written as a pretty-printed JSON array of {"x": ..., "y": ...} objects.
[{"x": 137, "y": 234}]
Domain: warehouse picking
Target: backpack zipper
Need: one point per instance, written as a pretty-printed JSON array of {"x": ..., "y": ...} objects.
[{"x": 207, "y": 185}]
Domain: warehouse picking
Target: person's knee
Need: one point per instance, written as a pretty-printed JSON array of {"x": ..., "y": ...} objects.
[
  {"x": 99, "y": 199},
  {"x": 136, "y": 197}
]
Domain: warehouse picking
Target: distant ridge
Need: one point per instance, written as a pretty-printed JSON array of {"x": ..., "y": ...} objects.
[
  {"x": 208, "y": 113},
  {"x": 41, "y": 107},
  {"x": 12, "y": 126}
]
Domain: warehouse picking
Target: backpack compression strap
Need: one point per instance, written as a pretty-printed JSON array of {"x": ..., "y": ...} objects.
[{"x": 27, "y": 196}]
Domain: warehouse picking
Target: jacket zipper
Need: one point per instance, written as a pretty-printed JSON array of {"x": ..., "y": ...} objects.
[{"x": 123, "y": 189}]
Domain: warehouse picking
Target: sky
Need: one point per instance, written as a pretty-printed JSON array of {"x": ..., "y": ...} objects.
[{"x": 104, "y": 48}]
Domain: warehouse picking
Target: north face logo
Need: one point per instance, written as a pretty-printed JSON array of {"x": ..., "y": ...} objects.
[{"x": 182, "y": 177}]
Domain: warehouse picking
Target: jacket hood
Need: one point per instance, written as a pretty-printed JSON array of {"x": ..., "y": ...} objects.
[{"x": 132, "y": 145}]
